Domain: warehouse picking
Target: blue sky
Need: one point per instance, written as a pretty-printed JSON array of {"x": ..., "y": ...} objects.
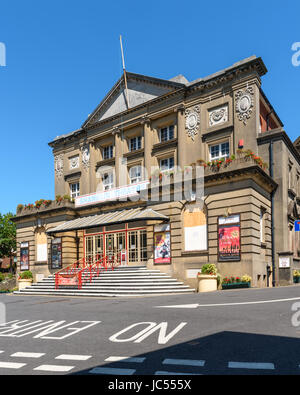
[{"x": 63, "y": 57}]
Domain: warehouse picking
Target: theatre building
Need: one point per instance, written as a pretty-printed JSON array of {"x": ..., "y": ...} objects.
[{"x": 221, "y": 132}]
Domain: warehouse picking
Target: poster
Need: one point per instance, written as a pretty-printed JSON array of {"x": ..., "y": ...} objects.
[
  {"x": 162, "y": 253},
  {"x": 229, "y": 242},
  {"x": 24, "y": 256},
  {"x": 56, "y": 254}
]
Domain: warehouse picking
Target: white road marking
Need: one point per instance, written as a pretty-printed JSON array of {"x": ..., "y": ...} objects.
[
  {"x": 11, "y": 365},
  {"x": 125, "y": 359},
  {"x": 27, "y": 355},
  {"x": 113, "y": 371},
  {"x": 54, "y": 368},
  {"x": 1, "y": 351},
  {"x": 161, "y": 372},
  {"x": 251, "y": 365},
  {"x": 71, "y": 357},
  {"x": 184, "y": 362},
  {"x": 195, "y": 306}
]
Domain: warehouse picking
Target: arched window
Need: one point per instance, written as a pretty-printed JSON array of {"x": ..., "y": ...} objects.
[{"x": 195, "y": 228}]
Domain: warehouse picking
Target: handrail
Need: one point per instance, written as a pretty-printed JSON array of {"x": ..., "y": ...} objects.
[{"x": 93, "y": 268}]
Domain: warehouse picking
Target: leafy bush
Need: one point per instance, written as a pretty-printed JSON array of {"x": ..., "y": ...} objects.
[
  {"x": 209, "y": 268},
  {"x": 25, "y": 275},
  {"x": 2, "y": 277},
  {"x": 247, "y": 279}
]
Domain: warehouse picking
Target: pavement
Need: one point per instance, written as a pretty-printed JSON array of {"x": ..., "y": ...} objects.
[{"x": 249, "y": 331}]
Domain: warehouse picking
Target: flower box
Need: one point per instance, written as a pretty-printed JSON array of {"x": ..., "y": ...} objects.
[{"x": 236, "y": 285}]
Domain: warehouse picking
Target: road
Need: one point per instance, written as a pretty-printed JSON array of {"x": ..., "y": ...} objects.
[{"x": 253, "y": 331}]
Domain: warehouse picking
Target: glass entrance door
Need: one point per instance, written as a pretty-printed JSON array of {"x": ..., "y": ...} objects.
[{"x": 130, "y": 246}]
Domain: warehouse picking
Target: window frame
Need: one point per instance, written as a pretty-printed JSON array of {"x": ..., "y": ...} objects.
[
  {"x": 138, "y": 179},
  {"x": 110, "y": 152},
  {"x": 138, "y": 143},
  {"x": 111, "y": 184},
  {"x": 169, "y": 168},
  {"x": 77, "y": 193},
  {"x": 219, "y": 145},
  {"x": 170, "y": 133}
]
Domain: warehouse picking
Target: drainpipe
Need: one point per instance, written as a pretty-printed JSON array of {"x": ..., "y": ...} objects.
[{"x": 272, "y": 214}]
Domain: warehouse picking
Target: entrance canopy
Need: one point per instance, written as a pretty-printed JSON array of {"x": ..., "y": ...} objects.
[{"x": 111, "y": 218}]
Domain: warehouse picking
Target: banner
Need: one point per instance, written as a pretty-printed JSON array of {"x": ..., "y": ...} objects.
[{"x": 162, "y": 252}]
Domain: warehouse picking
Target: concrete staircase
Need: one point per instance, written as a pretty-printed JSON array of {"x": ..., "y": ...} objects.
[{"x": 122, "y": 281}]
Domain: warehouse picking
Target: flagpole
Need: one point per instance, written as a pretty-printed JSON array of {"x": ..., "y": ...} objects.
[{"x": 124, "y": 73}]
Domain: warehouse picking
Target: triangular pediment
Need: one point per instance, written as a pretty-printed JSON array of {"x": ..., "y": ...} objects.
[{"x": 140, "y": 89}]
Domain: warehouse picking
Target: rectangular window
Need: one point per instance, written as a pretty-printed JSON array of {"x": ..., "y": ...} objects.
[
  {"x": 219, "y": 151},
  {"x": 167, "y": 164},
  {"x": 108, "y": 181},
  {"x": 167, "y": 134},
  {"x": 108, "y": 152},
  {"x": 135, "y": 174},
  {"x": 74, "y": 190},
  {"x": 135, "y": 143}
]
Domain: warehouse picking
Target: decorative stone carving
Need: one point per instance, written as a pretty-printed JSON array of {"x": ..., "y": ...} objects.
[
  {"x": 85, "y": 156},
  {"x": 192, "y": 121},
  {"x": 244, "y": 104},
  {"x": 59, "y": 165},
  {"x": 74, "y": 162},
  {"x": 218, "y": 115}
]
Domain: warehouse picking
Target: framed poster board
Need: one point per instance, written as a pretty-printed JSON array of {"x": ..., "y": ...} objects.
[
  {"x": 56, "y": 255},
  {"x": 24, "y": 256},
  {"x": 229, "y": 238},
  {"x": 162, "y": 246},
  {"x": 284, "y": 262}
]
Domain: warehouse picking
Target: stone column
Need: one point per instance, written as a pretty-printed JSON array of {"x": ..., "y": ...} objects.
[
  {"x": 118, "y": 156},
  {"x": 148, "y": 143},
  {"x": 181, "y": 137}
]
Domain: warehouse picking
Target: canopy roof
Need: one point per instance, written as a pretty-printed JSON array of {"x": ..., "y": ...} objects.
[{"x": 115, "y": 217}]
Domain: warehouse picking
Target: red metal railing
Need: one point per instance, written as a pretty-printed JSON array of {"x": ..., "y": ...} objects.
[{"x": 84, "y": 270}]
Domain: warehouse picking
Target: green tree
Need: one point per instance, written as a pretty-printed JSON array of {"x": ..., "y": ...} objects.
[{"x": 8, "y": 242}]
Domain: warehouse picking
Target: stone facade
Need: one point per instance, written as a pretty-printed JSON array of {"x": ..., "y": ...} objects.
[{"x": 227, "y": 108}]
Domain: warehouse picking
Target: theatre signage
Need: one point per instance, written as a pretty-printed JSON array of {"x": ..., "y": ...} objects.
[{"x": 112, "y": 194}]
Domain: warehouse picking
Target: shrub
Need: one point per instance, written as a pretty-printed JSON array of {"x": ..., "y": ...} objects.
[
  {"x": 25, "y": 275},
  {"x": 209, "y": 268},
  {"x": 2, "y": 277}
]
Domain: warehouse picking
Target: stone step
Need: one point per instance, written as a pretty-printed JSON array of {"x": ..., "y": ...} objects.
[
  {"x": 113, "y": 293},
  {"x": 151, "y": 286}
]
